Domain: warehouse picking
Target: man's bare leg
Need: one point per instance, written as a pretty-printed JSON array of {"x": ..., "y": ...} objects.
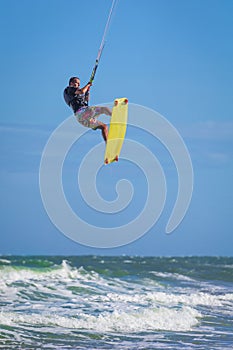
[{"x": 104, "y": 129}]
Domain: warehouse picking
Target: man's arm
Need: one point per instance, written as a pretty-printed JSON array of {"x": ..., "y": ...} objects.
[{"x": 83, "y": 90}]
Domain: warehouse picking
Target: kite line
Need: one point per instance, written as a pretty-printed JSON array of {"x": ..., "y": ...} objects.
[{"x": 103, "y": 41}]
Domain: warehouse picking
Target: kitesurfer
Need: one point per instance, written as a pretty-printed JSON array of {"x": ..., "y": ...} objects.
[{"x": 77, "y": 98}]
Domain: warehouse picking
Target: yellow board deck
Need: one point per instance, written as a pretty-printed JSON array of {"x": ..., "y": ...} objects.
[{"x": 117, "y": 130}]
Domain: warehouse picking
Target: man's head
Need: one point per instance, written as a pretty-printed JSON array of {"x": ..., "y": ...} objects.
[{"x": 75, "y": 82}]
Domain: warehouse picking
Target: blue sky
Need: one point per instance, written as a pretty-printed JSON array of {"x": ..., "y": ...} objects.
[{"x": 171, "y": 56}]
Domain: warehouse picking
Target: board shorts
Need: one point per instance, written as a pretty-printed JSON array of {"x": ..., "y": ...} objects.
[{"x": 87, "y": 116}]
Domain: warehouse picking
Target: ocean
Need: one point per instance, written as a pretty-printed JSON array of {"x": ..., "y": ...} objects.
[{"x": 100, "y": 302}]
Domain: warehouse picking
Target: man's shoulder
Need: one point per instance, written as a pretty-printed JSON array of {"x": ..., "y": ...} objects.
[
  {"x": 70, "y": 90},
  {"x": 69, "y": 94}
]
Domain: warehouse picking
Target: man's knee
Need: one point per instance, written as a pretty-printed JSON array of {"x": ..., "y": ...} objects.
[
  {"x": 103, "y": 126},
  {"x": 107, "y": 111}
]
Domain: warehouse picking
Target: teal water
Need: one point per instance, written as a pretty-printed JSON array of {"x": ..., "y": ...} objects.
[{"x": 96, "y": 302}]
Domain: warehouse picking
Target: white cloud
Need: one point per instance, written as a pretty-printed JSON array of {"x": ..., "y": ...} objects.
[
  {"x": 209, "y": 130},
  {"x": 218, "y": 157}
]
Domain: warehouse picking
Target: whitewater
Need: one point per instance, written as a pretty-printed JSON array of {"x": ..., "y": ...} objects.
[{"x": 100, "y": 302}]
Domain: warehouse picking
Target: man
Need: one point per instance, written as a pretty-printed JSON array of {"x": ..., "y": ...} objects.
[{"x": 77, "y": 98}]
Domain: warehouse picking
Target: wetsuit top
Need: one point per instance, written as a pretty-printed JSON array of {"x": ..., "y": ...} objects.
[{"x": 75, "y": 101}]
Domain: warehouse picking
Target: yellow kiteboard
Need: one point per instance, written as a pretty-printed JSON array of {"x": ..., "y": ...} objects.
[{"x": 117, "y": 130}]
